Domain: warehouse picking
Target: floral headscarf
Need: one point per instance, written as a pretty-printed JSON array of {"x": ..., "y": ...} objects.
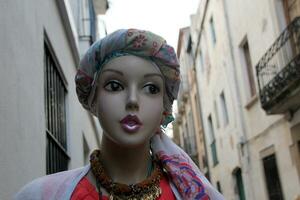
[
  {"x": 132, "y": 41},
  {"x": 187, "y": 181}
]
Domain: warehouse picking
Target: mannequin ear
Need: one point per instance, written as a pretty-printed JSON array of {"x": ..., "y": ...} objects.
[
  {"x": 168, "y": 118},
  {"x": 163, "y": 117}
]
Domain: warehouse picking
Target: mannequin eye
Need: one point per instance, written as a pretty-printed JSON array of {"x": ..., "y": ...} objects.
[
  {"x": 152, "y": 89},
  {"x": 113, "y": 86}
]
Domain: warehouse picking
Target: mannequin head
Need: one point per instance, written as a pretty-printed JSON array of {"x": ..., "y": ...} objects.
[
  {"x": 130, "y": 85},
  {"x": 141, "y": 45}
]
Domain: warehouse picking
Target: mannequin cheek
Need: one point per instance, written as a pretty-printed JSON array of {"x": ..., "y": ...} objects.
[
  {"x": 150, "y": 114},
  {"x": 107, "y": 103}
]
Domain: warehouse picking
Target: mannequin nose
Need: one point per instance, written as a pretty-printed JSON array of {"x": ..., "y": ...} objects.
[{"x": 132, "y": 101}]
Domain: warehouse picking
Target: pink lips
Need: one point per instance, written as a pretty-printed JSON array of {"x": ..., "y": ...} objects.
[{"x": 131, "y": 123}]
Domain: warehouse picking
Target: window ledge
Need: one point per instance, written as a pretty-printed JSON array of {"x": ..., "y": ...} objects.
[{"x": 251, "y": 102}]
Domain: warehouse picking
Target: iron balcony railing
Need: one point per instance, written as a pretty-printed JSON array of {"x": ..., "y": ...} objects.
[{"x": 278, "y": 72}]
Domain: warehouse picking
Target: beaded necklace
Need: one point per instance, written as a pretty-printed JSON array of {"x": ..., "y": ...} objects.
[{"x": 146, "y": 190}]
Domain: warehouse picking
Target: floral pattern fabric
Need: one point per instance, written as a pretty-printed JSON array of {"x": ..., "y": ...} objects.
[
  {"x": 186, "y": 176},
  {"x": 129, "y": 41}
]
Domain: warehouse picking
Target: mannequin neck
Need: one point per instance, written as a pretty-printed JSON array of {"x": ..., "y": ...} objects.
[{"x": 128, "y": 165}]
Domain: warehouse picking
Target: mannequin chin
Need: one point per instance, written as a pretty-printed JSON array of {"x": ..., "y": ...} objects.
[{"x": 129, "y": 100}]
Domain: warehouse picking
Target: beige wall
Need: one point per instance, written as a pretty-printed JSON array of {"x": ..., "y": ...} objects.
[
  {"x": 259, "y": 23},
  {"x": 263, "y": 130},
  {"x": 214, "y": 77},
  {"x": 189, "y": 112},
  {"x": 22, "y": 117}
]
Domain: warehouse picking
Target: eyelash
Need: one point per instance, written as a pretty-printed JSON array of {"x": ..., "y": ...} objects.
[
  {"x": 114, "y": 86},
  {"x": 110, "y": 83},
  {"x": 157, "y": 89}
]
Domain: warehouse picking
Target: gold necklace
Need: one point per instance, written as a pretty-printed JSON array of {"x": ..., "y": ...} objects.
[{"x": 146, "y": 190}]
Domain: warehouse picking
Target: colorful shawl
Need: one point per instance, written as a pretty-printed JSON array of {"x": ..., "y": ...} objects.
[{"x": 187, "y": 182}]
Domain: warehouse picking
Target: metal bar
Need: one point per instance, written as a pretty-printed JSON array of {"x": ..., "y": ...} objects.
[
  {"x": 47, "y": 155},
  {"x": 62, "y": 115},
  {"x": 64, "y": 142},
  {"x": 57, "y": 106},
  {"x": 45, "y": 89},
  {"x": 55, "y": 103},
  {"x": 52, "y": 138},
  {"x": 51, "y": 98},
  {"x": 47, "y": 92},
  {"x": 59, "y": 110},
  {"x": 51, "y": 155}
]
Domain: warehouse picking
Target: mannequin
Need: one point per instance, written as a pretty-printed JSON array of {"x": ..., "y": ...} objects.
[
  {"x": 128, "y": 86},
  {"x": 129, "y": 81}
]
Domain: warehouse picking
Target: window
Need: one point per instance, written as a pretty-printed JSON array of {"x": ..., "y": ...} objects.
[
  {"x": 212, "y": 30},
  {"x": 224, "y": 109},
  {"x": 217, "y": 114},
  {"x": 213, "y": 147},
  {"x": 239, "y": 183},
  {"x": 86, "y": 151},
  {"x": 201, "y": 62},
  {"x": 187, "y": 142},
  {"x": 55, "y": 110},
  {"x": 272, "y": 178},
  {"x": 192, "y": 136},
  {"x": 204, "y": 161},
  {"x": 219, "y": 186},
  {"x": 249, "y": 68}
]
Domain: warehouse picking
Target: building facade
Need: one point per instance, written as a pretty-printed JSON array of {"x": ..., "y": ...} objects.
[
  {"x": 246, "y": 57},
  {"x": 188, "y": 126},
  {"x": 221, "y": 119},
  {"x": 44, "y": 129}
]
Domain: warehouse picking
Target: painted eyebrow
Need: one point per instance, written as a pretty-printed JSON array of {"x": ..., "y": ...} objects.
[
  {"x": 147, "y": 75},
  {"x": 118, "y": 72},
  {"x": 113, "y": 70}
]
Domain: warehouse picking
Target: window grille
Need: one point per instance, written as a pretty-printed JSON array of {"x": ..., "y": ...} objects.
[
  {"x": 272, "y": 178},
  {"x": 55, "y": 110}
]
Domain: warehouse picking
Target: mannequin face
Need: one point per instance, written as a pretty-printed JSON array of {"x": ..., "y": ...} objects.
[{"x": 130, "y": 100}]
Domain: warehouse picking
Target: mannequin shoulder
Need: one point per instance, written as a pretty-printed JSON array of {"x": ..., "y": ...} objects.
[{"x": 46, "y": 186}]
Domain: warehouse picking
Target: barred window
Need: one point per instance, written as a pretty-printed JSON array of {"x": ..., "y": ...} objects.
[
  {"x": 272, "y": 178},
  {"x": 55, "y": 110}
]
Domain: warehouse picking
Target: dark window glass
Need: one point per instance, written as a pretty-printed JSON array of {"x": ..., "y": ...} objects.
[
  {"x": 213, "y": 31},
  {"x": 240, "y": 184},
  {"x": 249, "y": 67},
  {"x": 213, "y": 147},
  {"x": 272, "y": 178},
  {"x": 219, "y": 186},
  {"x": 224, "y": 109}
]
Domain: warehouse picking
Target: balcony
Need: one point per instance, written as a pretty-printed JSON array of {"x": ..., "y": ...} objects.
[{"x": 278, "y": 72}]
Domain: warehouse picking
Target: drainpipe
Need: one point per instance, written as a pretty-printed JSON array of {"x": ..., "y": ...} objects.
[{"x": 246, "y": 158}]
